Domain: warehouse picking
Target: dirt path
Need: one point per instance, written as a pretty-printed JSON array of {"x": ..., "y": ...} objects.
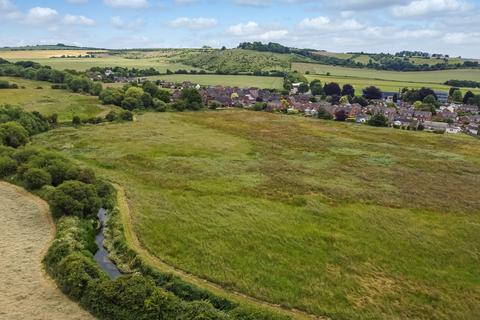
[
  {"x": 135, "y": 244},
  {"x": 26, "y": 231}
]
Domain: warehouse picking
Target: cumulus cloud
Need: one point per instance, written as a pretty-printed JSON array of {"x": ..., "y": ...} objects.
[
  {"x": 41, "y": 15},
  {"x": 325, "y": 23},
  {"x": 252, "y": 30},
  {"x": 78, "y": 20},
  {"x": 193, "y": 23},
  {"x": 428, "y": 7},
  {"x": 127, "y": 4},
  {"x": 119, "y": 23}
]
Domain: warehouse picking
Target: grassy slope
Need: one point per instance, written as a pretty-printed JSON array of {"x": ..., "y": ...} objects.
[
  {"x": 385, "y": 85},
  {"x": 25, "y": 291},
  {"x": 226, "y": 80},
  {"x": 336, "y": 219},
  {"x": 47, "y": 101},
  {"x": 421, "y": 77},
  {"x": 82, "y": 64}
]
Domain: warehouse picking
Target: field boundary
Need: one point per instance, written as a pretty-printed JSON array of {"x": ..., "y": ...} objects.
[{"x": 134, "y": 243}]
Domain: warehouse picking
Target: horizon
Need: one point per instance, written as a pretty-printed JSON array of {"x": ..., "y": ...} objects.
[{"x": 374, "y": 26}]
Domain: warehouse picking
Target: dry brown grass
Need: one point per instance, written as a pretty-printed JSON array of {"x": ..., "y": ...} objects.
[
  {"x": 26, "y": 292},
  {"x": 40, "y": 54}
]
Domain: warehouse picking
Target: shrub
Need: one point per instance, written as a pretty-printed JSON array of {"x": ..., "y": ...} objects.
[
  {"x": 13, "y": 134},
  {"x": 58, "y": 170},
  {"x": 74, "y": 272},
  {"x": 126, "y": 116},
  {"x": 76, "y": 121},
  {"x": 8, "y": 166},
  {"x": 378, "y": 120},
  {"x": 36, "y": 178},
  {"x": 111, "y": 116},
  {"x": 75, "y": 198},
  {"x": 213, "y": 105},
  {"x": 159, "y": 105}
]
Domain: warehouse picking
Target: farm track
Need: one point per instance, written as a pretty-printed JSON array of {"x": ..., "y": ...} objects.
[
  {"x": 26, "y": 231},
  {"x": 134, "y": 242}
]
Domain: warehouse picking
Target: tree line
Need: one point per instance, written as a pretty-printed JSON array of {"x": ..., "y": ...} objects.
[{"x": 382, "y": 61}]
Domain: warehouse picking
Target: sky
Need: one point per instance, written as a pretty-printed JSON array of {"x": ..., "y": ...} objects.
[{"x": 435, "y": 26}]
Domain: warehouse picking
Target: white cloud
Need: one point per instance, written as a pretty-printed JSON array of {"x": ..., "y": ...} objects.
[
  {"x": 430, "y": 7},
  {"x": 325, "y": 23},
  {"x": 244, "y": 29},
  {"x": 119, "y": 23},
  {"x": 193, "y": 23},
  {"x": 252, "y": 30},
  {"x": 40, "y": 15},
  {"x": 78, "y": 20},
  {"x": 127, "y": 4}
]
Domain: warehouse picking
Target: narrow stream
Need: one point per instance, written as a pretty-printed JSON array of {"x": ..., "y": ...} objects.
[{"x": 101, "y": 256}]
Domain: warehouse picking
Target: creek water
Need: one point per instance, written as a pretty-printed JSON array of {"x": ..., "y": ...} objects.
[{"x": 101, "y": 256}]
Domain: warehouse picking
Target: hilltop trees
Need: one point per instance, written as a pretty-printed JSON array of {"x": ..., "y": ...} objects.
[
  {"x": 372, "y": 93},
  {"x": 348, "y": 90},
  {"x": 316, "y": 87},
  {"x": 332, "y": 89}
]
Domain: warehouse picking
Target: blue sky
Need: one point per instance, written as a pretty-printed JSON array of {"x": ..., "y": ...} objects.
[{"x": 441, "y": 26}]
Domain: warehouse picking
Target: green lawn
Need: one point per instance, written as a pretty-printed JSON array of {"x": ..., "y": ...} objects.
[
  {"x": 342, "y": 220},
  {"x": 226, "y": 80},
  {"x": 421, "y": 77},
  {"x": 38, "y": 96}
]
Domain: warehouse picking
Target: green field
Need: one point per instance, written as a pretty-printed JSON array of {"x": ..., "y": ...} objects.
[
  {"x": 82, "y": 64},
  {"x": 342, "y": 220},
  {"x": 241, "y": 81},
  {"x": 422, "y": 76},
  {"x": 38, "y": 96},
  {"x": 384, "y": 85}
]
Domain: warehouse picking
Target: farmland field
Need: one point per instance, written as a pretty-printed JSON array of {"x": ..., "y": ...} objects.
[
  {"x": 226, "y": 80},
  {"x": 25, "y": 290},
  {"x": 82, "y": 64},
  {"x": 38, "y": 96},
  {"x": 40, "y": 54},
  {"x": 421, "y": 77},
  {"x": 384, "y": 85},
  {"x": 342, "y": 220}
]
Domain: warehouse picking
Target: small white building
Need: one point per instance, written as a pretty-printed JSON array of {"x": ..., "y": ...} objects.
[{"x": 453, "y": 129}]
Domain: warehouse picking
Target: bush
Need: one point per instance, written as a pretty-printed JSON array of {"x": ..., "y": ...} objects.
[
  {"x": 36, "y": 178},
  {"x": 213, "y": 105},
  {"x": 75, "y": 198},
  {"x": 8, "y": 166},
  {"x": 111, "y": 116},
  {"x": 13, "y": 134},
  {"x": 159, "y": 105},
  {"x": 126, "y": 116},
  {"x": 76, "y": 121},
  {"x": 378, "y": 120}
]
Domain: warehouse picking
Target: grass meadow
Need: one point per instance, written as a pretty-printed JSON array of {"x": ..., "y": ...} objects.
[
  {"x": 385, "y": 85},
  {"x": 241, "y": 81},
  {"x": 41, "y": 54},
  {"x": 82, "y": 64},
  {"x": 342, "y": 220},
  {"x": 38, "y": 96},
  {"x": 426, "y": 77}
]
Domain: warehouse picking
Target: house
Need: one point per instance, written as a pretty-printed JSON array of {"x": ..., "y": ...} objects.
[
  {"x": 453, "y": 129},
  {"x": 435, "y": 126},
  {"x": 473, "y": 129},
  {"x": 361, "y": 118}
]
